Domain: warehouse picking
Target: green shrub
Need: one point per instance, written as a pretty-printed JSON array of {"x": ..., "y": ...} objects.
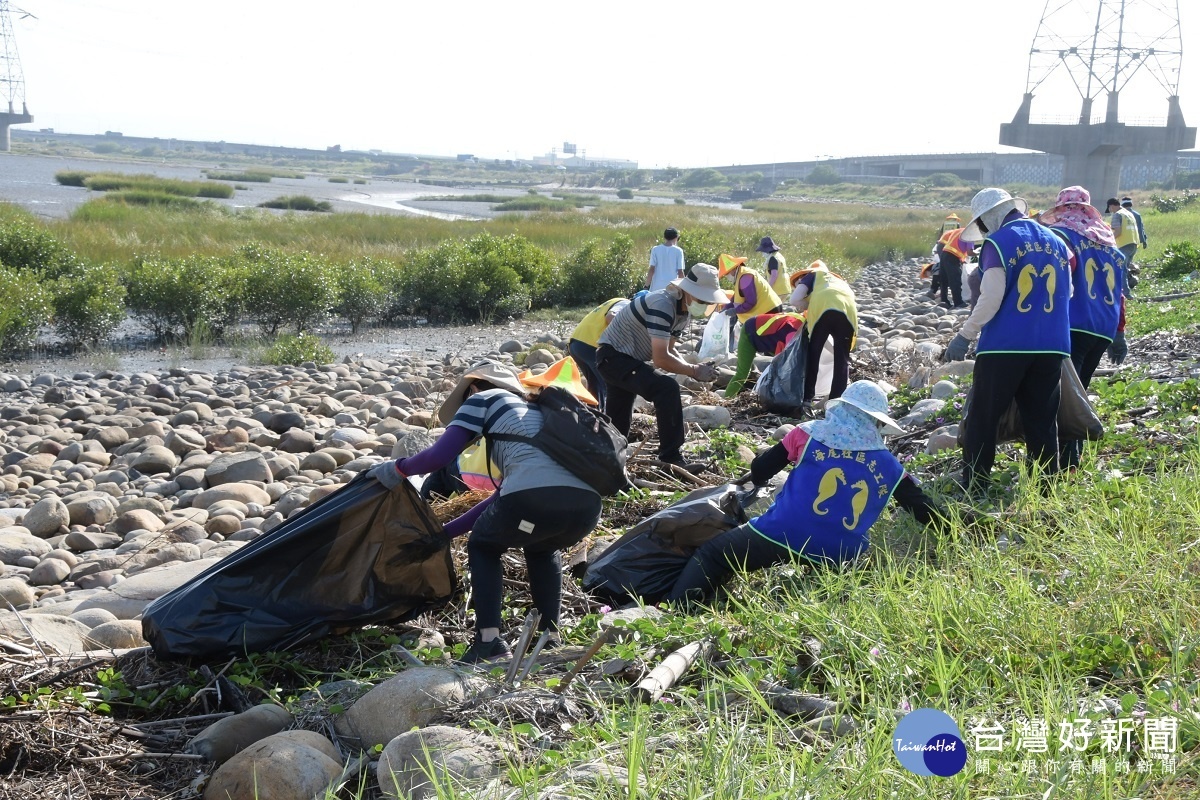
[
  {"x": 624, "y": 194},
  {"x": 71, "y": 177},
  {"x": 458, "y": 281},
  {"x": 702, "y": 246},
  {"x": 679, "y": 201},
  {"x": 249, "y": 176},
  {"x": 297, "y": 202},
  {"x": 25, "y": 306},
  {"x": 211, "y": 189},
  {"x": 702, "y": 178},
  {"x": 89, "y": 304},
  {"x": 823, "y": 175},
  {"x": 178, "y": 297},
  {"x": 533, "y": 265},
  {"x": 942, "y": 179},
  {"x": 339, "y": 179},
  {"x": 105, "y": 148},
  {"x": 1167, "y": 204},
  {"x": 25, "y": 245},
  {"x": 1179, "y": 259},
  {"x": 364, "y": 289},
  {"x": 537, "y": 203},
  {"x": 594, "y": 273},
  {"x": 360, "y": 180},
  {"x": 113, "y": 181},
  {"x": 150, "y": 197},
  {"x": 287, "y": 289},
  {"x": 295, "y": 350}
]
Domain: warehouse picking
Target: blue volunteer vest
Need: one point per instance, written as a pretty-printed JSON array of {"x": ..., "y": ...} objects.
[
  {"x": 1097, "y": 281},
  {"x": 1033, "y": 314},
  {"x": 829, "y": 502}
]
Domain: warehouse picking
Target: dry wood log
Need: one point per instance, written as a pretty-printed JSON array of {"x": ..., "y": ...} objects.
[{"x": 601, "y": 640}]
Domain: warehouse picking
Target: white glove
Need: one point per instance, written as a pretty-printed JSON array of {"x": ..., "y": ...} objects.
[{"x": 386, "y": 473}]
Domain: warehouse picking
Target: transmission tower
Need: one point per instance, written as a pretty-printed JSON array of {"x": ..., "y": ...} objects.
[
  {"x": 12, "y": 80},
  {"x": 1100, "y": 47}
]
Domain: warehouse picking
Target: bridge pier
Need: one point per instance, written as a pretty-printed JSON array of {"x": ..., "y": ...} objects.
[{"x": 8, "y": 118}]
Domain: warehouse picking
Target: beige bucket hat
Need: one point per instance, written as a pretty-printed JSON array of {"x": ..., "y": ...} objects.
[
  {"x": 702, "y": 282},
  {"x": 499, "y": 375}
]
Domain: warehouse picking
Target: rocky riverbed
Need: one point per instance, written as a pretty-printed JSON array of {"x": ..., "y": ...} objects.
[{"x": 117, "y": 487}]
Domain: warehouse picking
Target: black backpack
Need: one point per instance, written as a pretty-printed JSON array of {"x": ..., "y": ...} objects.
[{"x": 579, "y": 439}]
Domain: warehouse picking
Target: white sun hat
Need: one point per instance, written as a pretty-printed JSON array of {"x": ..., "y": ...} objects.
[
  {"x": 995, "y": 203},
  {"x": 870, "y": 399}
]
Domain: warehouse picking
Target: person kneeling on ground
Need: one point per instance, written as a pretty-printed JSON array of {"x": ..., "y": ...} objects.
[
  {"x": 648, "y": 330},
  {"x": 766, "y": 334},
  {"x": 843, "y": 478},
  {"x": 540, "y": 507}
]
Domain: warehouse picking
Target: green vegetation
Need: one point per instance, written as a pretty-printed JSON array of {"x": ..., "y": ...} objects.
[
  {"x": 247, "y": 176},
  {"x": 296, "y": 350},
  {"x": 149, "y": 197},
  {"x": 113, "y": 181},
  {"x": 298, "y": 202},
  {"x": 339, "y": 179},
  {"x": 25, "y": 306},
  {"x": 1166, "y": 204},
  {"x": 624, "y": 194}
]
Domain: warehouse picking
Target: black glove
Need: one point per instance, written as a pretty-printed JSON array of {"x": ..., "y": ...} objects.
[
  {"x": 957, "y": 349},
  {"x": 1118, "y": 349}
]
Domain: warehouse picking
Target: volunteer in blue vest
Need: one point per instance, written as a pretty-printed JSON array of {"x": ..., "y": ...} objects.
[
  {"x": 586, "y": 337},
  {"x": 1022, "y": 322},
  {"x": 843, "y": 477},
  {"x": 1096, "y": 299},
  {"x": 648, "y": 330},
  {"x": 832, "y": 313},
  {"x": 540, "y": 507},
  {"x": 775, "y": 266}
]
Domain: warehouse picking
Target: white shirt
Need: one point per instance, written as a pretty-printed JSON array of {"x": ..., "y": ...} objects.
[{"x": 667, "y": 262}]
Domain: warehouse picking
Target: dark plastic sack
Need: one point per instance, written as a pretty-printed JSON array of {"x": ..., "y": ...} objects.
[
  {"x": 579, "y": 439},
  {"x": 1076, "y": 417},
  {"x": 647, "y": 560},
  {"x": 780, "y": 388},
  {"x": 360, "y": 556}
]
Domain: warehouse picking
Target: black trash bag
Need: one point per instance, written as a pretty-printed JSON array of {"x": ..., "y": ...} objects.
[
  {"x": 646, "y": 561},
  {"x": 1076, "y": 417},
  {"x": 780, "y": 388},
  {"x": 360, "y": 556}
]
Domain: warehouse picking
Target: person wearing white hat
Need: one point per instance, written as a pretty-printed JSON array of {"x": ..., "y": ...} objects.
[
  {"x": 843, "y": 477},
  {"x": 648, "y": 330},
  {"x": 1022, "y": 323},
  {"x": 540, "y": 506}
]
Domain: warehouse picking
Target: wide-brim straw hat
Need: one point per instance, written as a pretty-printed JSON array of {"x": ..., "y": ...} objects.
[
  {"x": 986, "y": 201},
  {"x": 564, "y": 374},
  {"x": 702, "y": 282},
  {"x": 870, "y": 399},
  {"x": 493, "y": 372}
]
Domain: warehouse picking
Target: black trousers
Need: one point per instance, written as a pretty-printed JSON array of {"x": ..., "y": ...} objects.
[
  {"x": 831, "y": 324},
  {"x": 1086, "y": 351},
  {"x": 713, "y": 564},
  {"x": 1032, "y": 380},
  {"x": 951, "y": 268},
  {"x": 541, "y": 521},
  {"x": 628, "y": 378},
  {"x": 585, "y": 356}
]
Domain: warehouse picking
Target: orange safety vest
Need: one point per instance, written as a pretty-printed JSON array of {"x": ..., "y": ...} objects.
[{"x": 951, "y": 244}]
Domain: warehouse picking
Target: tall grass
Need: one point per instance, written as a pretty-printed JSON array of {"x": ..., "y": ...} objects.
[{"x": 114, "y": 181}]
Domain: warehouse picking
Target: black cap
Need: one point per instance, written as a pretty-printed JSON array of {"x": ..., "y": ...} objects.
[
  {"x": 670, "y": 233},
  {"x": 1112, "y": 201}
]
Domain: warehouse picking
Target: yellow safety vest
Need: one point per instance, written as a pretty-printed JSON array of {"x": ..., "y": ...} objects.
[
  {"x": 590, "y": 327},
  {"x": 831, "y": 293},
  {"x": 780, "y": 286},
  {"x": 1129, "y": 232},
  {"x": 767, "y": 299}
]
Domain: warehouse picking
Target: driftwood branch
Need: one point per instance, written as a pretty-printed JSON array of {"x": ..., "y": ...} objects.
[
  {"x": 668, "y": 673},
  {"x": 601, "y": 640}
]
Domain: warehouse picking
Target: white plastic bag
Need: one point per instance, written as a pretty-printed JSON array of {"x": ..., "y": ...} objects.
[{"x": 715, "y": 343}]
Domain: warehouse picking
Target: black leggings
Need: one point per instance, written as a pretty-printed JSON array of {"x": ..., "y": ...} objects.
[
  {"x": 713, "y": 564},
  {"x": 951, "y": 268},
  {"x": 541, "y": 521},
  {"x": 1086, "y": 351},
  {"x": 1032, "y": 380},
  {"x": 837, "y": 325}
]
